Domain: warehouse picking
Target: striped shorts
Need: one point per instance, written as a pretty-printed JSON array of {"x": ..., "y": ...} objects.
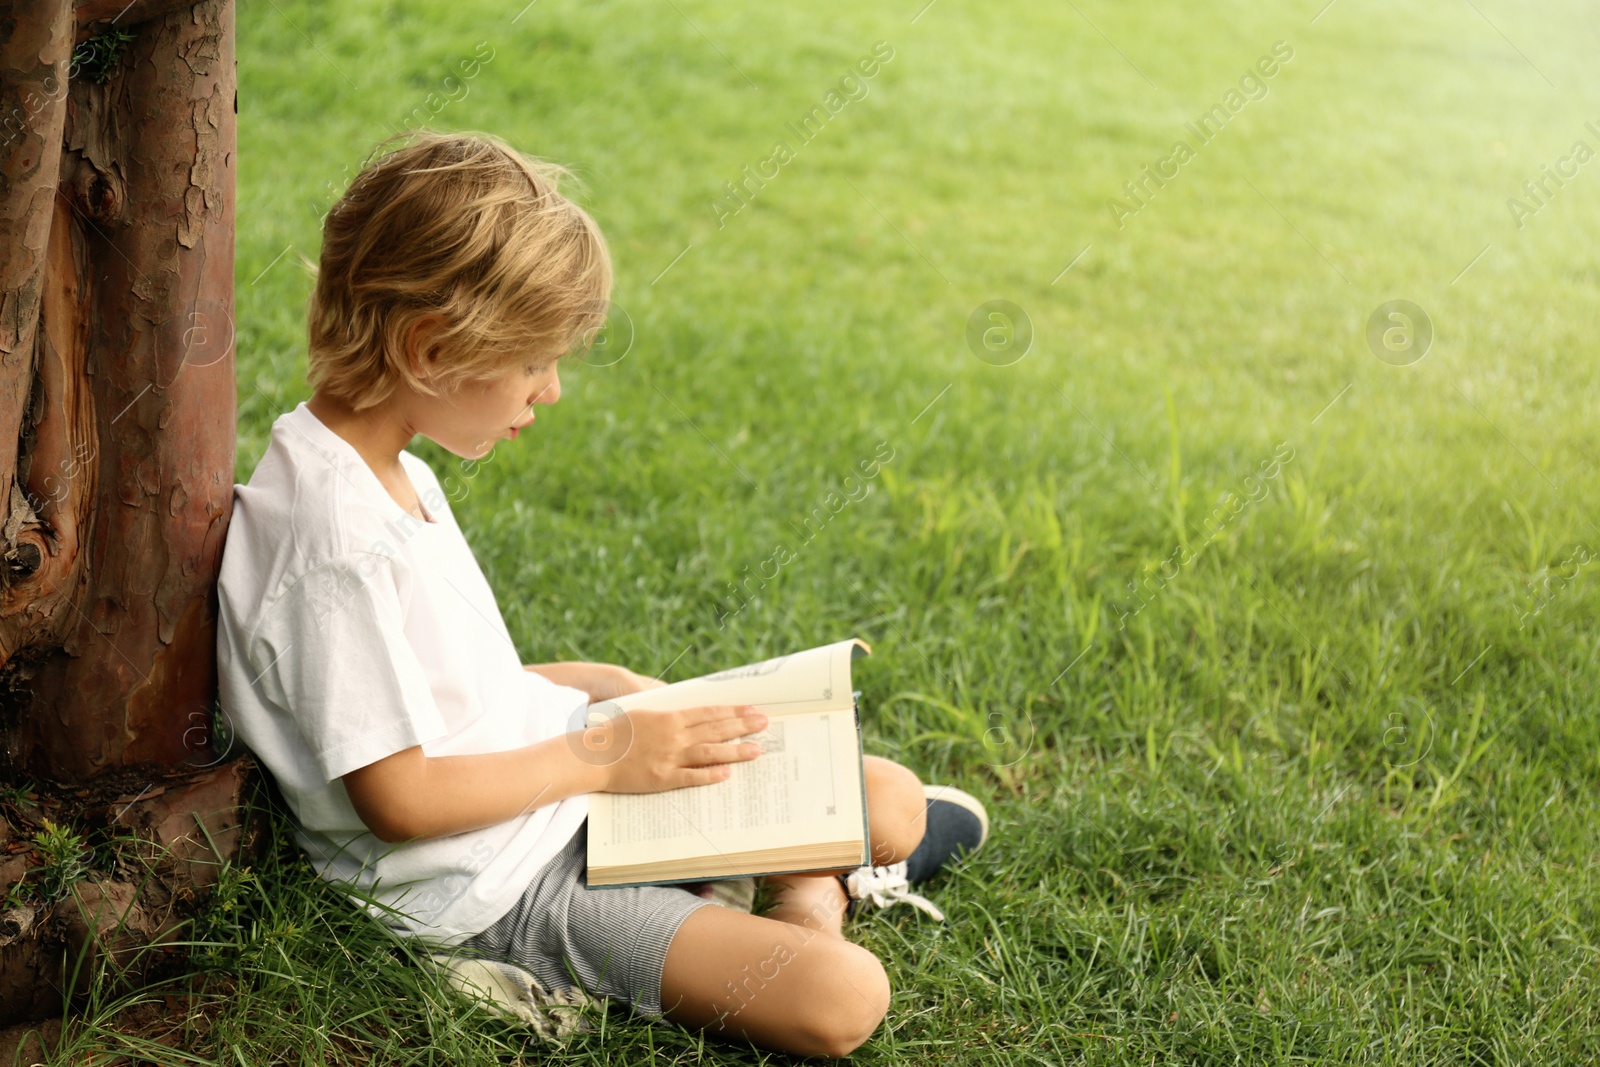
[{"x": 611, "y": 942}]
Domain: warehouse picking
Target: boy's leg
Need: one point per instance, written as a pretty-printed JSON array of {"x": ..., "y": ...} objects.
[
  {"x": 897, "y": 810},
  {"x": 897, "y": 815},
  {"x": 789, "y": 980},
  {"x": 784, "y": 985}
]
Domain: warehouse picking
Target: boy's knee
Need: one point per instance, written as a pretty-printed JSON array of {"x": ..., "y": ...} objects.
[
  {"x": 843, "y": 999},
  {"x": 898, "y": 810}
]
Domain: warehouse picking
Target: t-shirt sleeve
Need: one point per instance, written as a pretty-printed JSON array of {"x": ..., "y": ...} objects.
[{"x": 332, "y": 652}]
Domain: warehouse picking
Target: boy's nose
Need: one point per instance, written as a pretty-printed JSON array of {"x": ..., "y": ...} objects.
[{"x": 550, "y": 393}]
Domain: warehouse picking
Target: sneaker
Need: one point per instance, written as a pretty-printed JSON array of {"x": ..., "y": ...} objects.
[{"x": 957, "y": 824}]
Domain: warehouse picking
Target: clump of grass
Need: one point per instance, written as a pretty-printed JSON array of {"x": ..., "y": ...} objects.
[
  {"x": 65, "y": 860},
  {"x": 94, "y": 57},
  {"x": 65, "y": 856}
]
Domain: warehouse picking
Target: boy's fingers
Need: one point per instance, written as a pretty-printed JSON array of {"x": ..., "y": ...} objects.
[
  {"x": 715, "y": 712},
  {"x": 703, "y": 755},
  {"x": 704, "y": 775},
  {"x": 728, "y": 729}
]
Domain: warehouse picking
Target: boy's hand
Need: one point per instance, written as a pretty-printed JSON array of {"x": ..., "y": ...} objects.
[
  {"x": 602, "y": 681},
  {"x": 653, "y": 751},
  {"x": 621, "y": 681}
]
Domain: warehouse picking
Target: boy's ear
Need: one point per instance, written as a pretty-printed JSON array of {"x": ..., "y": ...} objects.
[{"x": 417, "y": 338}]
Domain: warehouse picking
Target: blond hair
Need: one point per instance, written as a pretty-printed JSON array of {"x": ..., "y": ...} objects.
[{"x": 463, "y": 227}]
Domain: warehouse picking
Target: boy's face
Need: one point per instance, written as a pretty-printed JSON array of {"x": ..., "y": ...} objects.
[{"x": 469, "y": 420}]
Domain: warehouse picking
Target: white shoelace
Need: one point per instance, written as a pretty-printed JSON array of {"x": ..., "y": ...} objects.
[{"x": 885, "y": 886}]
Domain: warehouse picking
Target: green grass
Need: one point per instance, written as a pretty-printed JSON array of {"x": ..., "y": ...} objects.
[{"x": 1330, "y": 797}]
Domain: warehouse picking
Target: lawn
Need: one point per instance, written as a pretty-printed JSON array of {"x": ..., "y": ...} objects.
[{"x": 1260, "y": 630}]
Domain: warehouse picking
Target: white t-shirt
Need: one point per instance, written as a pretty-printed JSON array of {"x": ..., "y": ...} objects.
[{"x": 349, "y": 630}]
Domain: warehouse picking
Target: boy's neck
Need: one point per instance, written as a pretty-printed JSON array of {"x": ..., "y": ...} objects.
[{"x": 378, "y": 433}]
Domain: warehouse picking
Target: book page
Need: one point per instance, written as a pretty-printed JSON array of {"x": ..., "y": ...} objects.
[
  {"x": 792, "y": 781},
  {"x": 805, "y": 788}
]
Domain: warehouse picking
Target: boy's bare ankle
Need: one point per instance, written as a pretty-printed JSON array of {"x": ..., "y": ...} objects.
[{"x": 816, "y": 902}]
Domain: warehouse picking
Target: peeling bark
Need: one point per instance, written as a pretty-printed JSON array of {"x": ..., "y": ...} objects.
[
  {"x": 117, "y": 429},
  {"x": 100, "y": 16},
  {"x": 117, "y": 424}
]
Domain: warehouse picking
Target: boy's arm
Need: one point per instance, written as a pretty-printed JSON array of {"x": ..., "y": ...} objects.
[{"x": 412, "y": 795}]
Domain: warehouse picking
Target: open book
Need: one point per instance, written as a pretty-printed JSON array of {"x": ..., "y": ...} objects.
[{"x": 799, "y": 806}]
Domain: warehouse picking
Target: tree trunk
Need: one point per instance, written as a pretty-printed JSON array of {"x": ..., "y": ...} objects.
[{"x": 117, "y": 430}]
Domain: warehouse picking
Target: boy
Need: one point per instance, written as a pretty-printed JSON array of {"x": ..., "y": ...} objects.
[{"x": 365, "y": 662}]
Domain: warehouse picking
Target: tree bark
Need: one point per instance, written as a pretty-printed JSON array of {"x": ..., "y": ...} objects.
[
  {"x": 117, "y": 429},
  {"x": 117, "y": 416}
]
